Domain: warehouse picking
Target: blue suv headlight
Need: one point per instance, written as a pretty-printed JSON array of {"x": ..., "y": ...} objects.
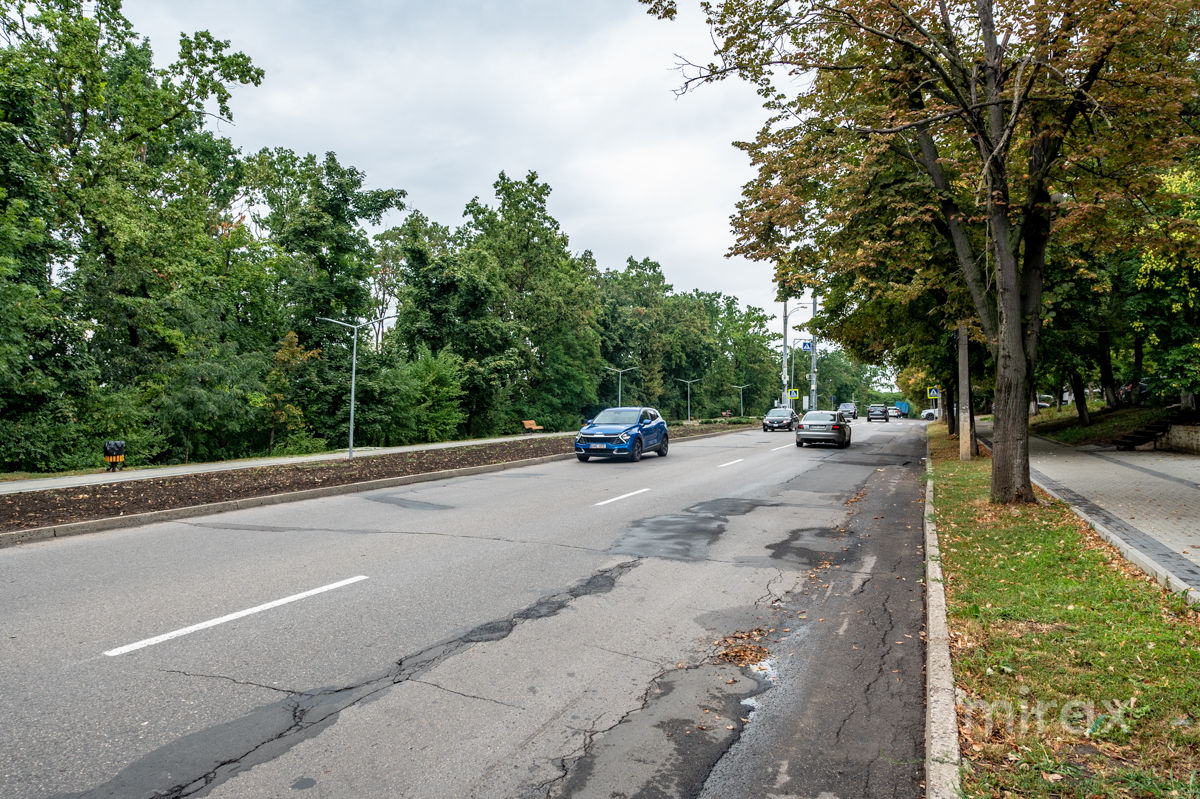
[{"x": 623, "y": 437}]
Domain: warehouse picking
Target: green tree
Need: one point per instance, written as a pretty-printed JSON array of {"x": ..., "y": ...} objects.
[
  {"x": 1168, "y": 278},
  {"x": 1013, "y": 116},
  {"x": 548, "y": 293},
  {"x": 314, "y": 215},
  {"x": 280, "y": 403}
]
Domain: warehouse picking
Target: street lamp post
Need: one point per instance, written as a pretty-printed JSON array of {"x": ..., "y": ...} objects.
[
  {"x": 620, "y": 374},
  {"x": 354, "y": 366},
  {"x": 689, "y": 385},
  {"x": 783, "y": 367},
  {"x": 741, "y": 406},
  {"x": 812, "y": 386}
]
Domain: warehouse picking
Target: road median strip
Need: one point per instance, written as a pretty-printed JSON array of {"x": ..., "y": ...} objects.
[{"x": 41, "y": 533}]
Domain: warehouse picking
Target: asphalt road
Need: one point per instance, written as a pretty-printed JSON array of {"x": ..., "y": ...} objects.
[{"x": 544, "y": 631}]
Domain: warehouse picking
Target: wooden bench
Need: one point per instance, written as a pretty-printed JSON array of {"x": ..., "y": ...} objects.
[{"x": 531, "y": 426}]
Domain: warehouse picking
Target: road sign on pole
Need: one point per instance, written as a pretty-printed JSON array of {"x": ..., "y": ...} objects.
[
  {"x": 932, "y": 392},
  {"x": 793, "y": 393},
  {"x": 806, "y": 346}
]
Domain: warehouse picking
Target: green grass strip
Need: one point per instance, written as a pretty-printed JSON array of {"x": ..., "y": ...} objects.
[{"x": 1077, "y": 675}]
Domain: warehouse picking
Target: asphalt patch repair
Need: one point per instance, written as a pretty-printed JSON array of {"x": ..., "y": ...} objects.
[{"x": 27, "y": 510}]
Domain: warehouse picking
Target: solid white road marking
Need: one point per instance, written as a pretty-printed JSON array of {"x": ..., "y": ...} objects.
[
  {"x": 204, "y": 625},
  {"x": 785, "y": 446},
  {"x": 723, "y": 465},
  {"x": 623, "y": 496}
]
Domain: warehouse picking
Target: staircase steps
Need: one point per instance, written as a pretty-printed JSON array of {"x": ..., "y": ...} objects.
[{"x": 1143, "y": 435}]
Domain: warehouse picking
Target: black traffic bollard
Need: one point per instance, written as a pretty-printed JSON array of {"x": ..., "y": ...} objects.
[{"x": 114, "y": 455}]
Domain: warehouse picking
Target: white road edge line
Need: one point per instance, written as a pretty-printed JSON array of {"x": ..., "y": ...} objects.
[
  {"x": 785, "y": 446},
  {"x": 204, "y": 625},
  {"x": 623, "y": 496},
  {"x": 723, "y": 465}
]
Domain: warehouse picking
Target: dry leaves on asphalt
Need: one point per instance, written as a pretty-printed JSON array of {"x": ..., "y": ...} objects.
[{"x": 741, "y": 649}]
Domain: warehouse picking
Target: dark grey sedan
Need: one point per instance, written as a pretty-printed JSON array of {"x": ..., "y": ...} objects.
[
  {"x": 780, "y": 419},
  {"x": 823, "y": 427}
]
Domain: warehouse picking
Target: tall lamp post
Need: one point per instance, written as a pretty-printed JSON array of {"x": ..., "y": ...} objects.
[
  {"x": 741, "y": 406},
  {"x": 354, "y": 365},
  {"x": 792, "y": 367},
  {"x": 812, "y": 375},
  {"x": 620, "y": 374},
  {"x": 783, "y": 367},
  {"x": 689, "y": 385}
]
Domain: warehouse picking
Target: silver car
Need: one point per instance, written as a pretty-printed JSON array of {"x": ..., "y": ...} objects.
[{"x": 823, "y": 427}]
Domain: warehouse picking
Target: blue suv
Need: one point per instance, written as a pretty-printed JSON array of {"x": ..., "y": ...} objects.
[{"x": 622, "y": 432}]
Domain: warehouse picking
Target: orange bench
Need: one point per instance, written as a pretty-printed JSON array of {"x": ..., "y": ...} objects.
[{"x": 531, "y": 426}]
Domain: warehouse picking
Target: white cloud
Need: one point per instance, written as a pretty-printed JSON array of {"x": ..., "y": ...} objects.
[{"x": 438, "y": 98}]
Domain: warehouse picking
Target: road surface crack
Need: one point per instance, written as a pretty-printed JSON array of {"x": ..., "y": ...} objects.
[
  {"x": 268, "y": 732},
  {"x": 564, "y": 764},
  {"x": 466, "y": 696},
  {"x": 627, "y": 655},
  {"x": 233, "y": 680},
  {"x": 771, "y": 597}
]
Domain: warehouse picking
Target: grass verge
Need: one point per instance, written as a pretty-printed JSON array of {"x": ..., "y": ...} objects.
[{"x": 1078, "y": 676}]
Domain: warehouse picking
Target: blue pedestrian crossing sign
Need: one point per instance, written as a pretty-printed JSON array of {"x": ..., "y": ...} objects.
[
  {"x": 806, "y": 346},
  {"x": 793, "y": 393},
  {"x": 932, "y": 392}
]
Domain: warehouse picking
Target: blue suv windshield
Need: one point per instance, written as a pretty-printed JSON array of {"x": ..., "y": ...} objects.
[{"x": 617, "y": 416}]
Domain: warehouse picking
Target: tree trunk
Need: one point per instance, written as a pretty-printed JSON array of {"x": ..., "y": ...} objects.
[
  {"x": 1078, "y": 389},
  {"x": 1135, "y": 394},
  {"x": 971, "y": 417},
  {"x": 1107, "y": 381},
  {"x": 948, "y": 409},
  {"x": 1010, "y": 455},
  {"x": 1010, "y": 436}
]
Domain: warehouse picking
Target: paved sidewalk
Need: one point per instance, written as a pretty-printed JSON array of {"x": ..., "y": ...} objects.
[
  {"x": 1147, "y": 502},
  {"x": 72, "y": 481}
]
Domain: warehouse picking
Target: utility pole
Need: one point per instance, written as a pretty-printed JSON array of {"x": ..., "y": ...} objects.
[
  {"x": 792, "y": 368},
  {"x": 965, "y": 437}
]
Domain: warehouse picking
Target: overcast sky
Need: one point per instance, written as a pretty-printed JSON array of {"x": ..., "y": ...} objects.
[{"x": 437, "y": 98}]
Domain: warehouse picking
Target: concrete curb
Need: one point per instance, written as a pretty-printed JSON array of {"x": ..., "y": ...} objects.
[
  {"x": 1161, "y": 574},
  {"x": 942, "y": 760},
  {"x": 15, "y": 537}
]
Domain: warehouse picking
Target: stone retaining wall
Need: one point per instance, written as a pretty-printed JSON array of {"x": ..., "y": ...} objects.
[{"x": 1184, "y": 438}]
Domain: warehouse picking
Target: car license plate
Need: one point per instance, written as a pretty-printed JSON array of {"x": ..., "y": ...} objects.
[
  {"x": 597, "y": 446},
  {"x": 818, "y": 427}
]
